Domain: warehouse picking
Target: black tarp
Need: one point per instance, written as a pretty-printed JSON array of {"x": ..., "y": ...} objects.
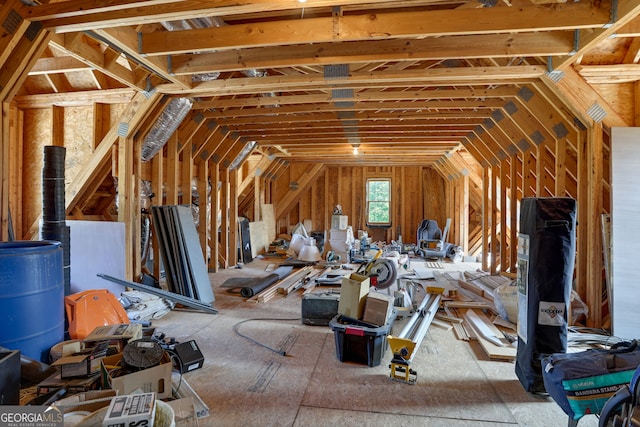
[{"x": 546, "y": 258}]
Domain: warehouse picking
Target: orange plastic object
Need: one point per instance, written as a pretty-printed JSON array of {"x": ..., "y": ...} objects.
[{"x": 89, "y": 309}]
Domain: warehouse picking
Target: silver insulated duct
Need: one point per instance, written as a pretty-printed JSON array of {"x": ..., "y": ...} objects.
[{"x": 163, "y": 128}]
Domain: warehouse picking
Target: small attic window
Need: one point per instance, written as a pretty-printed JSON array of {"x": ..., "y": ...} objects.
[{"x": 379, "y": 202}]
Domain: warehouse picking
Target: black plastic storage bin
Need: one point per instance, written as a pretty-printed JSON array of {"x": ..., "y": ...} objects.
[{"x": 358, "y": 341}]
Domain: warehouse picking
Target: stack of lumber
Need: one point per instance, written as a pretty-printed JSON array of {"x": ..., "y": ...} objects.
[
  {"x": 470, "y": 309},
  {"x": 287, "y": 285}
]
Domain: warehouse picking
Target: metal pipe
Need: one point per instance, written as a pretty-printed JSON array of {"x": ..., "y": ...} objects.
[
  {"x": 429, "y": 314},
  {"x": 406, "y": 331}
]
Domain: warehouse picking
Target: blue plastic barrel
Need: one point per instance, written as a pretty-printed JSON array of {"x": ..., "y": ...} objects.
[{"x": 31, "y": 297}]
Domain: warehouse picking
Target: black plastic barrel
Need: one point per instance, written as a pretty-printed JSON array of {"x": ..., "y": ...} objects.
[{"x": 31, "y": 297}]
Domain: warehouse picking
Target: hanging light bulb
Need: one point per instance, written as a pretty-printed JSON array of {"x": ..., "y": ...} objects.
[{"x": 355, "y": 149}]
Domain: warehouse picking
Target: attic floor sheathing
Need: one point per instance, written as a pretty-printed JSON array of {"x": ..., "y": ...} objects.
[{"x": 244, "y": 384}]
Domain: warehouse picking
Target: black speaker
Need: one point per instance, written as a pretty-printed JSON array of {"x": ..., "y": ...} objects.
[{"x": 189, "y": 355}]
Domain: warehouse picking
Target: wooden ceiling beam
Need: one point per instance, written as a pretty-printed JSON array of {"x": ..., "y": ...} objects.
[
  {"x": 371, "y": 117},
  {"x": 206, "y": 141},
  {"x": 370, "y": 95},
  {"x": 72, "y": 99},
  {"x": 583, "y": 96},
  {"x": 540, "y": 44},
  {"x": 12, "y": 29},
  {"x": 76, "y": 46},
  {"x": 624, "y": 11},
  {"x": 21, "y": 58},
  {"x": 441, "y": 143},
  {"x": 340, "y": 133},
  {"x": 361, "y": 106},
  {"x": 371, "y": 26},
  {"x": 125, "y": 40},
  {"x": 188, "y": 128},
  {"x": 58, "y": 64},
  {"x": 80, "y": 15},
  {"x": 463, "y": 76},
  {"x": 381, "y": 125}
]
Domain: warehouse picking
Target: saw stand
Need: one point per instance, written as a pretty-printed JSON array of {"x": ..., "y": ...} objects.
[{"x": 404, "y": 345}]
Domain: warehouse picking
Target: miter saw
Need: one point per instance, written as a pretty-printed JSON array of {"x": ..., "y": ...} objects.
[{"x": 381, "y": 271}]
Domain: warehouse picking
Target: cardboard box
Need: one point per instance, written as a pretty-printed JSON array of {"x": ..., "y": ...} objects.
[
  {"x": 185, "y": 412},
  {"x": 125, "y": 331},
  {"x": 73, "y": 385},
  {"x": 156, "y": 379},
  {"x": 353, "y": 293},
  {"x": 339, "y": 222},
  {"x": 378, "y": 308},
  {"x": 90, "y": 401},
  {"x": 82, "y": 365},
  {"x": 131, "y": 410}
]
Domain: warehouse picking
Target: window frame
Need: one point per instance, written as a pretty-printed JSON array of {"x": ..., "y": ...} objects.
[{"x": 368, "y": 202}]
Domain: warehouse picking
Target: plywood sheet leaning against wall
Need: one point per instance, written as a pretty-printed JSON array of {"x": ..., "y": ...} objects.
[
  {"x": 37, "y": 134},
  {"x": 269, "y": 218}
]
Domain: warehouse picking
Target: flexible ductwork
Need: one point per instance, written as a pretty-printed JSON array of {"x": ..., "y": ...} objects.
[
  {"x": 164, "y": 127},
  {"x": 208, "y": 22},
  {"x": 249, "y": 146}
]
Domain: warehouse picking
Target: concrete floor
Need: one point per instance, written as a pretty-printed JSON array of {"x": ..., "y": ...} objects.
[{"x": 245, "y": 384}]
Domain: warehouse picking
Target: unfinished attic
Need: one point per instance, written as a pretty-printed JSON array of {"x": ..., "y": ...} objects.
[{"x": 266, "y": 115}]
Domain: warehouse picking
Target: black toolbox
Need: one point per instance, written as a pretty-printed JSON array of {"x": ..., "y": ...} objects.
[{"x": 319, "y": 308}]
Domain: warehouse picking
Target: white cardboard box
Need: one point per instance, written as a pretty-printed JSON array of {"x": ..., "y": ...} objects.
[
  {"x": 156, "y": 379},
  {"x": 339, "y": 222},
  {"x": 131, "y": 410}
]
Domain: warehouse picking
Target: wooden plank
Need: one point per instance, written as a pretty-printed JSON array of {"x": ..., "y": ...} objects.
[
  {"x": 269, "y": 218},
  {"x": 582, "y": 244},
  {"x": 485, "y": 219},
  {"x": 472, "y": 287},
  {"x": 234, "y": 237},
  {"x": 216, "y": 205},
  {"x": 304, "y": 182},
  {"x": 513, "y": 213},
  {"x": 483, "y": 328},
  {"x": 187, "y": 174},
  {"x": 469, "y": 304},
  {"x": 203, "y": 207},
  {"x": 594, "y": 254},
  {"x": 157, "y": 185},
  {"x": 173, "y": 171},
  {"x": 259, "y": 238},
  {"x": 4, "y": 172},
  {"x": 493, "y": 221},
  {"x": 359, "y": 27},
  {"x": 57, "y": 126},
  {"x": 296, "y": 279},
  {"x": 225, "y": 224},
  {"x": 127, "y": 201},
  {"x": 493, "y": 335},
  {"x": 505, "y": 242}
]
